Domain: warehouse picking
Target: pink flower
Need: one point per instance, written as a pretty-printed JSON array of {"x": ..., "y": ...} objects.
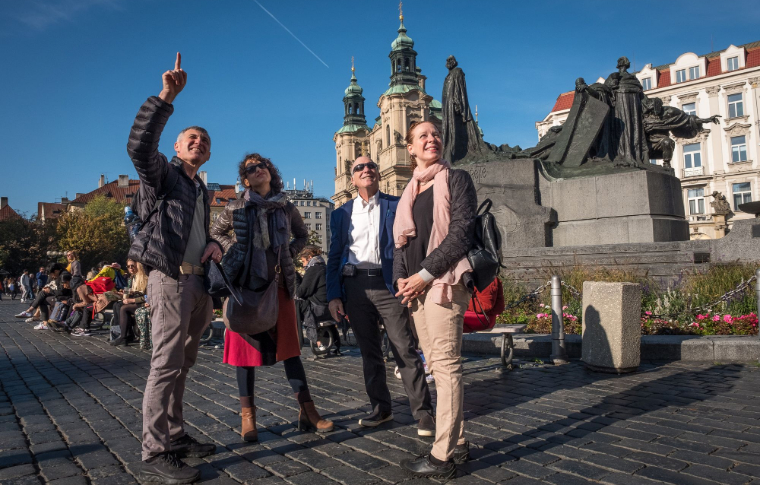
[
  {"x": 727, "y": 318},
  {"x": 647, "y": 313},
  {"x": 564, "y": 307},
  {"x": 716, "y": 318},
  {"x": 541, "y": 315},
  {"x": 694, "y": 324},
  {"x": 701, "y": 317}
]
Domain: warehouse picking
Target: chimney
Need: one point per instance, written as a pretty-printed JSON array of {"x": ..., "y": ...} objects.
[
  {"x": 203, "y": 176},
  {"x": 123, "y": 181},
  {"x": 238, "y": 187},
  {"x": 3, "y": 202},
  {"x": 102, "y": 180},
  {"x": 79, "y": 194},
  {"x": 65, "y": 200}
]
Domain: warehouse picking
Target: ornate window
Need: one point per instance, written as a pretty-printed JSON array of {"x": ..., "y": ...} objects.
[
  {"x": 732, "y": 63},
  {"x": 696, "y": 200},
  {"x": 742, "y": 193},
  {"x": 692, "y": 155},
  {"x": 690, "y": 109},
  {"x": 739, "y": 149},
  {"x": 681, "y": 76},
  {"x": 646, "y": 83},
  {"x": 735, "y": 105}
]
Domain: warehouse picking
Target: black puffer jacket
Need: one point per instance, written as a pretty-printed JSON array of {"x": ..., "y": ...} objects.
[
  {"x": 162, "y": 241},
  {"x": 459, "y": 240}
]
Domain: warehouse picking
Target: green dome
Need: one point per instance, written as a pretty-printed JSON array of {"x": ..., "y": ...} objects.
[
  {"x": 403, "y": 41},
  {"x": 354, "y": 87},
  {"x": 435, "y": 104}
]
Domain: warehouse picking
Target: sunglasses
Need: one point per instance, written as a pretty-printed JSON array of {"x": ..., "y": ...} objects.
[
  {"x": 369, "y": 165},
  {"x": 251, "y": 169}
]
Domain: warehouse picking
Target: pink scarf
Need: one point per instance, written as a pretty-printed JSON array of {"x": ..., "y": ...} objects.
[{"x": 404, "y": 228}]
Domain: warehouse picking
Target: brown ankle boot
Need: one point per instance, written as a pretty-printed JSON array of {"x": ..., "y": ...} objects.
[
  {"x": 310, "y": 420},
  {"x": 249, "y": 432}
]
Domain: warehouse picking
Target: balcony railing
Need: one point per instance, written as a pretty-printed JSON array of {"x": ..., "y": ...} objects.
[{"x": 693, "y": 172}]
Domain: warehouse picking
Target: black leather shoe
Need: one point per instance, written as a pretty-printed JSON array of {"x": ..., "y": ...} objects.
[
  {"x": 422, "y": 467},
  {"x": 426, "y": 426},
  {"x": 374, "y": 420},
  {"x": 462, "y": 453},
  {"x": 167, "y": 468},
  {"x": 118, "y": 341},
  {"x": 189, "y": 447}
]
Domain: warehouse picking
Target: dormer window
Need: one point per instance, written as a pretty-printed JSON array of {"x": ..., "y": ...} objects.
[
  {"x": 694, "y": 72},
  {"x": 681, "y": 76},
  {"x": 646, "y": 83},
  {"x": 732, "y": 63}
]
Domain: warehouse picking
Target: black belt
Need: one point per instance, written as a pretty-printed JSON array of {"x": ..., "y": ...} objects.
[{"x": 369, "y": 272}]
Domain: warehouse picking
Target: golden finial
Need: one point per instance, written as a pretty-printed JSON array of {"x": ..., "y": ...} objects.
[
  {"x": 476, "y": 113},
  {"x": 401, "y": 11},
  {"x": 352, "y": 64}
]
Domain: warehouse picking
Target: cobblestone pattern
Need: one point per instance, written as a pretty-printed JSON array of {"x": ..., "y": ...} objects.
[{"x": 70, "y": 414}]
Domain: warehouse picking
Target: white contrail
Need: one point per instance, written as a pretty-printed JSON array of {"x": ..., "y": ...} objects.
[{"x": 291, "y": 33}]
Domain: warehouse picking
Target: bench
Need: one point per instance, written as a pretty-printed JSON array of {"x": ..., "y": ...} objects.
[{"x": 507, "y": 343}]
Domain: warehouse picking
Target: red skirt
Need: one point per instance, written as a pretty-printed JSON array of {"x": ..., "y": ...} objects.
[{"x": 240, "y": 353}]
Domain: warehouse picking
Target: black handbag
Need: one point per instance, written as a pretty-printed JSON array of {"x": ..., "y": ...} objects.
[
  {"x": 216, "y": 283},
  {"x": 485, "y": 256},
  {"x": 257, "y": 311}
]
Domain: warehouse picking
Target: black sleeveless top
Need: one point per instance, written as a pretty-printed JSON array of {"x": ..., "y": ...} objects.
[{"x": 422, "y": 213}]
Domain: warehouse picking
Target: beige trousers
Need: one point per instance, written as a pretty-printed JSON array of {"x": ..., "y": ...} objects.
[{"x": 439, "y": 329}]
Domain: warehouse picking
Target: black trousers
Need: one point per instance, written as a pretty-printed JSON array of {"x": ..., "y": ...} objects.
[{"x": 368, "y": 301}]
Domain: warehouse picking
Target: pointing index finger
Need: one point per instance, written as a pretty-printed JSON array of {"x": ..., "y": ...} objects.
[{"x": 178, "y": 62}]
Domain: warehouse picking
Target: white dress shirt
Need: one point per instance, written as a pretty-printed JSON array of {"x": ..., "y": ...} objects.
[{"x": 364, "y": 233}]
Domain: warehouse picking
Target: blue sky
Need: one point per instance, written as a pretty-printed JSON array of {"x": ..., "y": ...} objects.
[{"x": 75, "y": 72}]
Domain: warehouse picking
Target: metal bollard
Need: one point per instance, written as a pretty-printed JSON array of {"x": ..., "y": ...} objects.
[
  {"x": 757, "y": 291},
  {"x": 559, "y": 353}
]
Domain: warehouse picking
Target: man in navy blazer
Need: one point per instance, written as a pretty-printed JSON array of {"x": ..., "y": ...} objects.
[{"x": 359, "y": 271}]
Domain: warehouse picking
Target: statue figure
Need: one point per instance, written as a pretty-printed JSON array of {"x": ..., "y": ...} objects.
[
  {"x": 720, "y": 205},
  {"x": 660, "y": 121},
  {"x": 460, "y": 133},
  {"x": 628, "y": 137}
]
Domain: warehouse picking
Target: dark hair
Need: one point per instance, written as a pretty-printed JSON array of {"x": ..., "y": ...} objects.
[
  {"x": 310, "y": 251},
  {"x": 53, "y": 267},
  {"x": 276, "y": 183},
  {"x": 410, "y": 137},
  {"x": 65, "y": 277}
]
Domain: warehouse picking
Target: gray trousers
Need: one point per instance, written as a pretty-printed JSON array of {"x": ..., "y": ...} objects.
[
  {"x": 367, "y": 301},
  {"x": 180, "y": 310}
]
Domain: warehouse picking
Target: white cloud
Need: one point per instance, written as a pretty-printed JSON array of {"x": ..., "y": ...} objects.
[{"x": 41, "y": 14}]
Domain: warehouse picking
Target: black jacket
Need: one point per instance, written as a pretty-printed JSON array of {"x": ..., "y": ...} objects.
[
  {"x": 162, "y": 240},
  {"x": 459, "y": 240},
  {"x": 314, "y": 285}
]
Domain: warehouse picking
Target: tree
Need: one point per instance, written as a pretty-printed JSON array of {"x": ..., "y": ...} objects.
[
  {"x": 97, "y": 232},
  {"x": 24, "y": 244}
]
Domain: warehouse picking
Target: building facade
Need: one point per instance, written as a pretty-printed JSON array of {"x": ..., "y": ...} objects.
[
  {"x": 404, "y": 102},
  {"x": 724, "y": 157},
  {"x": 315, "y": 212}
]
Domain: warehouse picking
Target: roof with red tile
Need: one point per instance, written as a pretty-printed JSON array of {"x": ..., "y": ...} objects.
[
  {"x": 713, "y": 66},
  {"x": 564, "y": 101},
  {"x": 220, "y": 198},
  {"x": 663, "y": 78},
  {"x": 111, "y": 189},
  {"x": 50, "y": 210},
  {"x": 7, "y": 213},
  {"x": 753, "y": 58}
]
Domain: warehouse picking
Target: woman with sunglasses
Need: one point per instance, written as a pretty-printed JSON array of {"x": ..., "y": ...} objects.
[
  {"x": 253, "y": 230},
  {"x": 433, "y": 232},
  {"x": 133, "y": 298}
]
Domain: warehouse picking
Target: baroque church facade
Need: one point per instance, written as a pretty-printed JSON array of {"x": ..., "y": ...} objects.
[{"x": 404, "y": 102}]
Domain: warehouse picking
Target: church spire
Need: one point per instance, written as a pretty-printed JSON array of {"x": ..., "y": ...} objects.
[
  {"x": 403, "y": 57},
  {"x": 353, "y": 102}
]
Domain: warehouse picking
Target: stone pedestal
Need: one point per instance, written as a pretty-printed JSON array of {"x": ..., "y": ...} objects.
[{"x": 611, "y": 326}]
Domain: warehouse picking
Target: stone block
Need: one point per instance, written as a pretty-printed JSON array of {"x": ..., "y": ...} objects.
[
  {"x": 736, "y": 349},
  {"x": 611, "y": 326}
]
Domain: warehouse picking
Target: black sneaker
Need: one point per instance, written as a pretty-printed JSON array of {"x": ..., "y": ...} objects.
[
  {"x": 426, "y": 426},
  {"x": 423, "y": 467},
  {"x": 168, "y": 468},
  {"x": 462, "y": 453},
  {"x": 375, "y": 420},
  {"x": 189, "y": 447}
]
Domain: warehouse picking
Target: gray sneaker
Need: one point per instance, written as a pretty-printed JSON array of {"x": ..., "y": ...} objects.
[
  {"x": 375, "y": 420},
  {"x": 168, "y": 468}
]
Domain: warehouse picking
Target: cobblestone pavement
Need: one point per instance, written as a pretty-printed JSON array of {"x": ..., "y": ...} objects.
[{"x": 70, "y": 414}]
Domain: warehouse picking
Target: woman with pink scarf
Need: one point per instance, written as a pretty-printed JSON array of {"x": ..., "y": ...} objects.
[{"x": 433, "y": 233}]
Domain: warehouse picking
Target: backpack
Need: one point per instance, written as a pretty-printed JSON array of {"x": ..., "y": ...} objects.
[
  {"x": 485, "y": 255},
  {"x": 144, "y": 210}
]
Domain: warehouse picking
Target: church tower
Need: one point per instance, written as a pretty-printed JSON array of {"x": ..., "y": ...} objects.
[
  {"x": 404, "y": 102},
  {"x": 351, "y": 140}
]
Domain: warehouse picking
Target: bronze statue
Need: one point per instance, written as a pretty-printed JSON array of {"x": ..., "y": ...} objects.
[
  {"x": 660, "y": 121},
  {"x": 720, "y": 205},
  {"x": 460, "y": 133}
]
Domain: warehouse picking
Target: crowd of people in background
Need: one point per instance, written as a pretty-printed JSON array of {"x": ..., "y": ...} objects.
[{"x": 26, "y": 284}]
